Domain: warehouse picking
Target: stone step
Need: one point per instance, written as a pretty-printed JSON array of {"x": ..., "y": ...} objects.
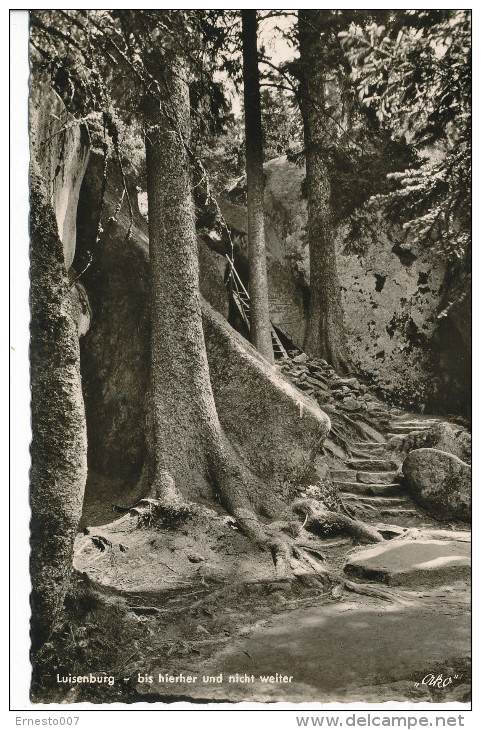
[
  {"x": 406, "y": 421},
  {"x": 359, "y": 452},
  {"x": 368, "y": 445},
  {"x": 399, "y": 512},
  {"x": 377, "y": 477},
  {"x": 381, "y": 490},
  {"x": 366, "y": 477},
  {"x": 371, "y": 464},
  {"x": 377, "y": 500},
  {"x": 343, "y": 475},
  {"x": 411, "y": 563},
  {"x": 370, "y": 510},
  {"x": 407, "y": 428},
  {"x": 414, "y": 430}
]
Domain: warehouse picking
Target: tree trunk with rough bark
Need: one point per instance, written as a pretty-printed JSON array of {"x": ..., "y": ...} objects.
[
  {"x": 258, "y": 291},
  {"x": 325, "y": 335},
  {"x": 190, "y": 457},
  {"x": 59, "y": 440}
]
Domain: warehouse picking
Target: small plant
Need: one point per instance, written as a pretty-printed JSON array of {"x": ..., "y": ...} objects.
[
  {"x": 322, "y": 491},
  {"x": 153, "y": 513}
]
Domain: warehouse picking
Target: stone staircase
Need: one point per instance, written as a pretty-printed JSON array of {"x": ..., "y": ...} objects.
[
  {"x": 365, "y": 450},
  {"x": 371, "y": 484},
  {"x": 367, "y": 474},
  {"x": 402, "y": 426}
]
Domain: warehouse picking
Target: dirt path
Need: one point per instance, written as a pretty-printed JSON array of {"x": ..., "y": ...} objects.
[
  {"x": 331, "y": 647},
  {"x": 364, "y": 649}
]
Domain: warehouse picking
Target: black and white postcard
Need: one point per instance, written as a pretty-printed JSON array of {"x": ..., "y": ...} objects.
[{"x": 250, "y": 361}]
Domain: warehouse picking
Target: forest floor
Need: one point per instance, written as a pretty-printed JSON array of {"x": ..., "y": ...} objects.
[
  {"x": 192, "y": 612},
  {"x": 268, "y": 642}
]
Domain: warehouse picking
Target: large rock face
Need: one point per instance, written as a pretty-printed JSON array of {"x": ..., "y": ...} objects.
[
  {"x": 391, "y": 296},
  {"x": 439, "y": 482},
  {"x": 275, "y": 427},
  {"x": 115, "y": 351},
  {"x": 392, "y": 289},
  {"x": 61, "y": 147}
]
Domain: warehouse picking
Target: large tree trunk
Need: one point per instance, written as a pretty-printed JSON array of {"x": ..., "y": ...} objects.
[
  {"x": 325, "y": 326},
  {"x": 259, "y": 302},
  {"x": 190, "y": 456},
  {"x": 59, "y": 441}
]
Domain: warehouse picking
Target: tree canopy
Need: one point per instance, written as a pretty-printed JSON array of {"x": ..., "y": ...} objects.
[{"x": 414, "y": 72}]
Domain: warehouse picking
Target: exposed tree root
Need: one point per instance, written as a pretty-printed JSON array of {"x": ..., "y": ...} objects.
[
  {"x": 325, "y": 522},
  {"x": 340, "y": 440},
  {"x": 164, "y": 491},
  {"x": 354, "y": 424},
  {"x": 384, "y": 593},
  {"x": 164, "y": 505},
  {"x": 360, "y": 425},
  {"x": 347, "y": 510},
  {"x": 244, "y": 497}
]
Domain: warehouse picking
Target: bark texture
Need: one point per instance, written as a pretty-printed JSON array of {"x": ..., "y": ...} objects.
[
  {"x": 188, "y": 444},
  {"x": 259, "y": 301},
  {"x": 59, "y": 441},
  {"x": 325, "y": 327}
]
